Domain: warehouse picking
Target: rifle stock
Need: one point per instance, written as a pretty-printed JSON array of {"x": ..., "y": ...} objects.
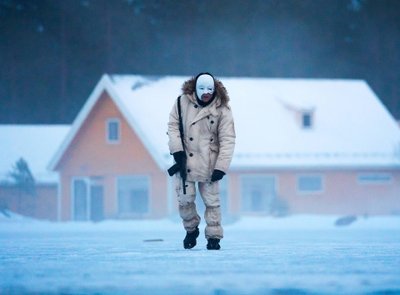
[
  {"x": 183, "y": 175},
  {"x": 173, "y": 169}
]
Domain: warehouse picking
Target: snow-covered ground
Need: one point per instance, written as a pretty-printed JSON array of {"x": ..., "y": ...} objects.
[{"x": 259, "y": 255}]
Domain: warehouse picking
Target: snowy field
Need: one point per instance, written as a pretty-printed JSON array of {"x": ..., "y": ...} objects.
[{"x": 291, "y": 255}]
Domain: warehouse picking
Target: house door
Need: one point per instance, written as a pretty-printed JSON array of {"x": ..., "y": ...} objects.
[
  {"x": 79, "y": 200},
  {"x": 96, "y": 202},
  {"x": 88, "y": 200}
]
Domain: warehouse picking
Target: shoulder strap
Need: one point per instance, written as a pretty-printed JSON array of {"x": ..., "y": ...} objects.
[
  {"x": 180, "y": 122},
  {"x": 179, "y": 110}
]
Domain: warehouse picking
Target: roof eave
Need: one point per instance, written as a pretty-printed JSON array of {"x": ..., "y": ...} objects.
[{"x": 327, "y": 167}]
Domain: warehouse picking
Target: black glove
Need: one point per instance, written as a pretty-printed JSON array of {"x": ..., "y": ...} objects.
[
  {"x": 180, "y": 159},
  {"x": 217, "y": 175}
]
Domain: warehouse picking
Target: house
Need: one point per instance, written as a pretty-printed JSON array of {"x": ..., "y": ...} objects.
[{"x": 303, "y": 146}]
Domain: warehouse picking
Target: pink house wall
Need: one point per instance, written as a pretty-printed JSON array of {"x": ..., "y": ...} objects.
[
  {"x": 41, "y": 206},
  {"x": 342, "y": 193}
]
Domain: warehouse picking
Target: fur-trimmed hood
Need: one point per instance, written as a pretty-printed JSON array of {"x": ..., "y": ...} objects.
[{"x": 189, "y": 87}]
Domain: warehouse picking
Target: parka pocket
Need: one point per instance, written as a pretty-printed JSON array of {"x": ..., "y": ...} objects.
[{"x": 214, "y": 150}]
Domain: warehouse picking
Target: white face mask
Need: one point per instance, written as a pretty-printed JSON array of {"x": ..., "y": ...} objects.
[{"x": 205, "y": 87}]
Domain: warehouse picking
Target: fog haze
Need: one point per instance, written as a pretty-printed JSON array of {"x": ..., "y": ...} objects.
[{"x": 54, "y": 52}]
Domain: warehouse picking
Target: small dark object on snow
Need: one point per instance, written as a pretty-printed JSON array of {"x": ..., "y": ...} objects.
[
  {"x": 5, "y": 212},
  {"x": 153, "y": 240},
  {"x": 213, "y": 244},
  {"x": 190, "y": 240},
  {"x": 345, "y": 220}
]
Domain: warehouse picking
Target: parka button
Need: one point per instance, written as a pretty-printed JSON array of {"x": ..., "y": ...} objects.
[
  {"x": 196, "y": 106},
  {"x": 211, "y": 139},
  {"x": 191, "y": 139},
  {"x": 188, "y": 170},
  {"x": 212, "y": 122},
  {"x": 191, "y": 154}
]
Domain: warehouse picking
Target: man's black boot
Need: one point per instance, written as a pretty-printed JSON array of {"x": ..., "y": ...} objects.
[
  {"x": 213, "y": 244},
  {"x": 190, "y": 240}
]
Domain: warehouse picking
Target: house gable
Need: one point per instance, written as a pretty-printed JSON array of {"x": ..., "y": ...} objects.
[
  {"x": 104, "y": 85},
  {"x": 90, "y": 153}
]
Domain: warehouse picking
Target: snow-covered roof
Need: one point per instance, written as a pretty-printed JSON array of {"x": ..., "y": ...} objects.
[
  {"x": 36, "y": 144},
  {"x": 351, "y": 127}
]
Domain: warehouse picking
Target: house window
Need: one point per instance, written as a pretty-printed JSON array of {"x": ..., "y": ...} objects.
[
  {"x": 133, "y": 195},
  {"x": 113, "y": 130},
  {"x": 223, "y": 194},
  {"x": 309, "y": 184},
  {"x": 257, "y": 192},
  {"x": 307, "y": 120},
  {"x": 374, "y": 178}
]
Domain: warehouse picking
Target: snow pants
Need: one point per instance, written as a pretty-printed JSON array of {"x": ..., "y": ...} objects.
[{"x": 209, "y": 192}]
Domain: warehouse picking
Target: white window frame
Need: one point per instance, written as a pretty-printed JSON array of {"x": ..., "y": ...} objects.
[
  {"x": 149, "y": 201},
  {"x": 256, "y": 176},
  {"x": 108, "y": 122},
  {"x": 311, "y": 120},
  {"x": 361, "y": 181},
  {"x": 226, "y": 183},
  {"x": 310, "y": 192}
]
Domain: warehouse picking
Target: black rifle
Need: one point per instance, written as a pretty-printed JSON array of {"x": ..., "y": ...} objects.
[{"x": 175, "y": 168}]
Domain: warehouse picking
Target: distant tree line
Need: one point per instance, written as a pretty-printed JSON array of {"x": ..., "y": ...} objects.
[{"x": 53, "y": 52}]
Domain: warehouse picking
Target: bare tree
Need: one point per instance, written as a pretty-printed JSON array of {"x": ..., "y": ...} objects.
[{"x": 24, "y": 181}]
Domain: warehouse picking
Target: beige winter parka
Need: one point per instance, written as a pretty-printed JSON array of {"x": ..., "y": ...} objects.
[{"x": 209, "y": 132}]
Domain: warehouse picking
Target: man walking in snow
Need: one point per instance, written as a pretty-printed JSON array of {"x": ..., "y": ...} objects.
[{"x": 203, "y": 153}]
